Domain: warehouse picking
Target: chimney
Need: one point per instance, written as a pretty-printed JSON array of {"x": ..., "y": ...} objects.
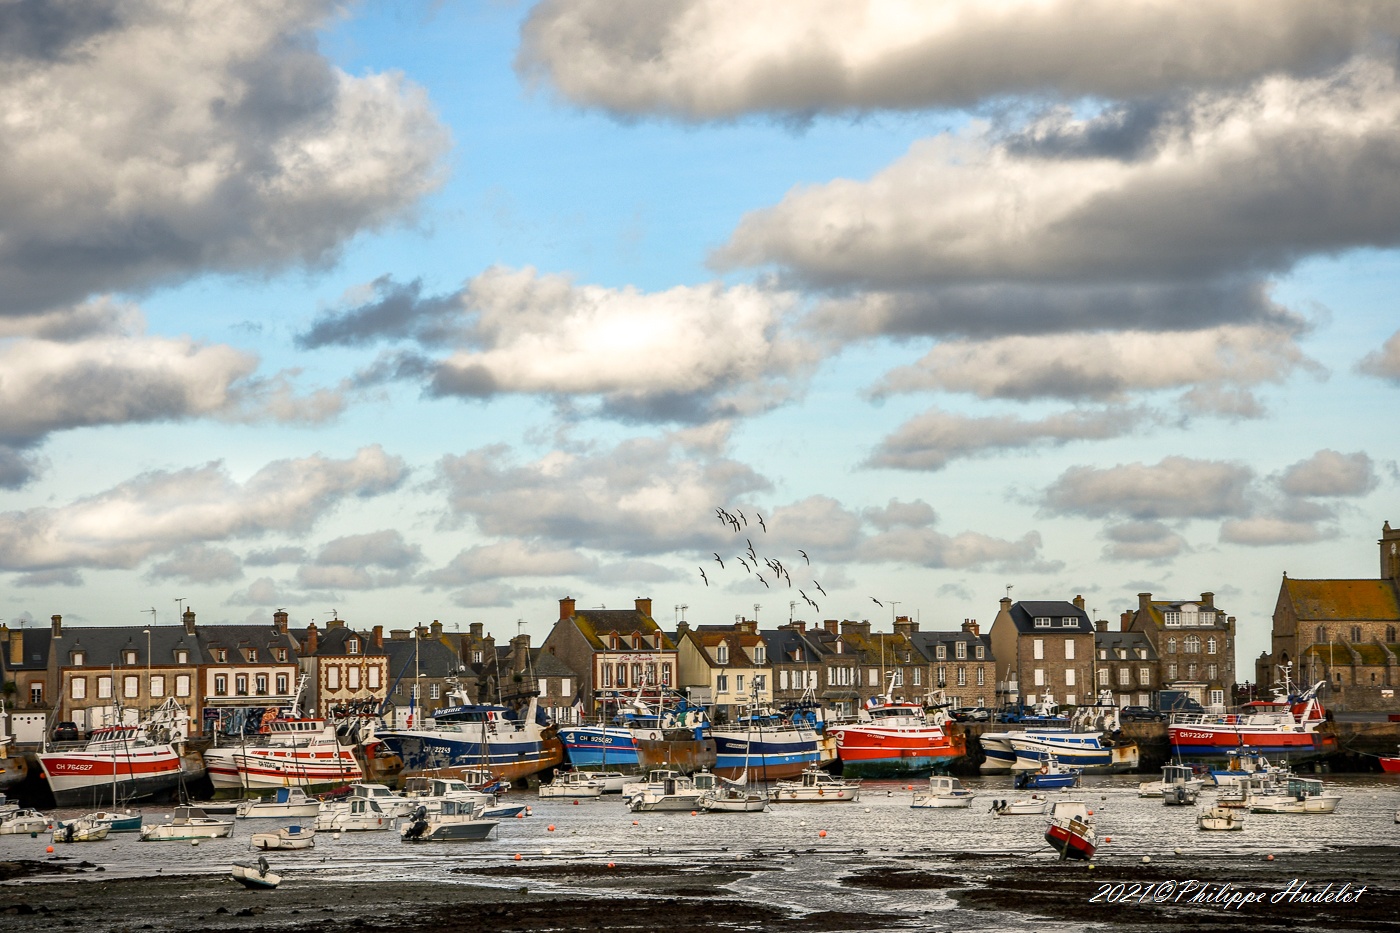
[
  {"x": 476, "y": 629},
  {"x": 398, "y": 634},
  {"x": 377, "y": 636},
  {"x": 335, "y": 623},
  {"x": 279, "y": 620},
  {"x": 849, "y": 626},
  {"x": 519, "y": 652},
  {"x": 1208, "y": 599},
  {"x": 832, "y": 626},
  {"x": 312, "y": 639},
  {"x": 1101, "y": 625},
  {"x": 1125, "y": 621},
  {"x": 1006, "y": 604},
  {"x": 16, "y": 645},
  {"x": 682, "y": 628},
  {"x": 566, "y": 607},
  {"x": 188, "y": 619},
  {"x": 747, "y": 626},
  {"x": 644, "y": 606},
  {"x": 435, "y": 630},
  {"x": 1144, "y": 600},
  {"x": 57, "y": 626},
  {"x": 971, "y": 627},
  {"x": 903, "y": 625},
  {"x": 1079, "y": 603}
]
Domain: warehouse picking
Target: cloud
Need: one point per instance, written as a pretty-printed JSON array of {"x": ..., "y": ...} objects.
[
  {"x": 161, "y": 511},
  {"x": 1329, "y": 473},
  {"x": 271, "y": 557},
  {"x": 634, "y": 571},
  {"x": 1101, "y": 366},
  {"x": 1148, "y": 541},
  {"x": 1385, "y": 362},
  {"x": 198, "y": 563},
  {"x": 1265, "y": 531},
  {"x": 689, "y": 354},
  {"x": 924, "y": 547},
  {"x": 720, "y": 59},
  {"x": 929, "y": 441},
  {"x": 44, "y": 578},
  {"x": 511, "y": 558},
  {"x": 493, "y": 595},
  {"x": 916, "y": 514},
  {"x": 267, "y": 154},
  {"x": 1175, "y": 487},
  {"x": 374, "y": 560},
  {"x": 263, "y": 591}
]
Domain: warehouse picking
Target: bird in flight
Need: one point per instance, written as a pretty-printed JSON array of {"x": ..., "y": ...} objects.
[
  {"x": 761, "y": 523},
  {"x": 741, "y": 515},
  {"x": 761, "y": 580},
  {"x": 721, "y": 563},
  {"x": 703, "y": 577},
  {"x": 741, "y": 560},
  {"x": 805, "y": 557},
  {"x": 819, "y": 588},
  {"x": 753, "y": 555},
  {"x": 877, "y": 602}
]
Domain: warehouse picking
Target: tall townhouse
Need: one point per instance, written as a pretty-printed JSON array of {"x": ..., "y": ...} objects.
[
  {"x": 615, "y": 652},
  {"x": 724, "y": 667},
  {"x": 1195, "y": 642},
  {"x": 960, "y": 663},
  {"x": 1046, "y": 650}
]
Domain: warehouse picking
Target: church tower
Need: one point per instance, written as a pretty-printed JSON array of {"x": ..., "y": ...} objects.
[{"x": 1390, "y": 553}]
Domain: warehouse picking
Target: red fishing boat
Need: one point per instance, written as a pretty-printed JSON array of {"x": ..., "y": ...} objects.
[
  {"x": 1390, "y": 765},
  {"x": 1071, "y": 830},
  {"x": 120, "y": 762},
  {"x": 1286, "y": 725},
  {"x": 892, "y": 737}
]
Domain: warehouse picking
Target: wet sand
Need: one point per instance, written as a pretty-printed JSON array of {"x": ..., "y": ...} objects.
[{"x": 987, "y": 892}]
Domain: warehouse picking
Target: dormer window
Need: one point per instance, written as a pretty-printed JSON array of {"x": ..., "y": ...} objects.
[
  {"x": 1069, "y": 622},
  {"x": 981, "y": 652},
  {"x": 252, "y": 655},
  {"x": 182, "y": 656},
  {"x": 1043, "y": 622},
  {"x": 77, "y": 659},
  {"x": 221, "y": 655},
  {"x": 722, "y": 654},
  {"x": 281, "y": 654},
  {"x": 760, "y": 655},
  {"x": 961, "y": 650},
  {"x": 840, "y": 647},
  {"x": 476, "y": 656},
  {"x": 941, "y": 652},
  {"x": 636, "y": 641},
  {"x": 129, "y": 657},
  {"x": 352, "y": 646}
]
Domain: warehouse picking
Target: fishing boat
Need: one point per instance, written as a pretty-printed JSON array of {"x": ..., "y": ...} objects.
[
  {"x": 677, "y": 793},
  {"x": 187, "y": 823},
  {"x": 997, "y": 754},
  {"x": 390, "y": 803},
  {"x": 1390, "y": 765},
  {"x": 1244, "y": 763},
  {"x": 769, "y": 743},
  {"x": 1071, "y": 830},
  {"x": 1180, "y": 795},
  {"x": 25, "y": 822},
  {"x": 285, "y": 839},
  {"x": 353, "y": 815},
  {"x": 120, "y": 762},
  {"x": 288, "y": 751},
  {"x": 13, "y": 768},
  {"x": 612, "y": 781},
  {"x": 455, "y": 821},
  {"x": 1220, "y": 818},
  {"x": 120, "y": 821},
  {"x": 80, "y": 830},
  {"x": 256, "y": 875},
  {"x": 1174, "y": 775},
  {"x": 430, "y": 792},
  {"x": 1296, "y": 795},
  {"x": 892, "y": 737},
  {"x": 733, "y": 796},
  {"x": 571, "y": 784},
  {"x": 1050, "y": 775},
  {"x": 1094, "y": 742},
  {"x": 1286, "y": 725},
  {"x": 1034, "y": 805},
  {"x": 816, "y": 786},
  {"x": 943, "y": 793},
  {"x": 285, "y": 803},
  {"x": 650, "y": 728},
  {"x": 511, "y": 745}
]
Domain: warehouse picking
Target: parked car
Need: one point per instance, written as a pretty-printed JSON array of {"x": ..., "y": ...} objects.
[
  {"x": 66, "y": 732},
  {"x": 972, "y": 714},
  {"x": 1140, "y": 714}
]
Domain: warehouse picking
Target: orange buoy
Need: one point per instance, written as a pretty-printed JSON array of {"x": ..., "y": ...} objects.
[
  {"x": 692, "y": 812},
  {"x": 50, "y": 849},
  {"x": 551, "y": 827},
  {"x": 575, "y": 803},
  {"x": 517, "y": 856},
  {"x": 520, "y": 816},
  {"x": 822, "y": 834},
  {"x": 612, "y": 864},
  {"x": 634, "y": 823},
  {"x": 1107, "y": 838}
]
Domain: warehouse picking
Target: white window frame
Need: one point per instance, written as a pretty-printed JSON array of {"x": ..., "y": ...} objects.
[{"x": 182, "y": 685}]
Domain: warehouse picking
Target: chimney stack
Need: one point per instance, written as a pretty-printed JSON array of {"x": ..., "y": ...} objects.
[
  {"x": 903, "y": 625},
  {"x": 313, "y": 639},
  {"x": 377, "y": 636},
  {"x": 1101, "y": 625},
  {"x": 644, "y": 606},
  {"x": 566, "y": 607},
  {"x": 832, "y": 626},
  {"x": 520, "y": 652},
  {"x": 971, "y": 627},
  {"x": 16, "y": 642},
  {"x": 1125, "y": 621},
  {"x": 57, "y": 622},
  {"x": 476, "y": 629},
  {"x": 335, "y": 623},
  {"x": 188, "y": 619},
  {"x": 435, "y": 629},
  {"x": 682, "y": 628},
  {"x": 747, "y": 626},
  {"x": 1144, "y": 600},
  {"x": 279, "y": 619},
  {"x": 1006, "y": 604},
  {"x": 1208, "y": 600},
  {"x": 1079, "y": 603}
]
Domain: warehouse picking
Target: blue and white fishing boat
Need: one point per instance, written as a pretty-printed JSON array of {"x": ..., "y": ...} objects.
[
  {"x": 1051, "y": 774},
  {"x": 650, "y": 729},
  {"x": 767, "y": 743},
  {"x": 1094, "y": 743},
  {"x": 455, "y": 739},
  {"x": 999, "y": 756}
]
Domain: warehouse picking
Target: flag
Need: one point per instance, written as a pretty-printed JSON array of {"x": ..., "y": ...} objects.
[
  {"x": 872, "y": 702},
  {"x": 578, "y": 707},
  {"x": 412, "y": 705}
]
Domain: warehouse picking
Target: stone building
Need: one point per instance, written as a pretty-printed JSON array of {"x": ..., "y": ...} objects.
[
  {"x": 1045, "y": 650},
  {"x": 724, "y": 667},
  {"x": 613, "y": 651},
  {"x": 344, "y": 667},
  {"x": 1128, "y": 666},
  {"x": 961, "y": 662},
  {"x": 1195, "y": 642}
]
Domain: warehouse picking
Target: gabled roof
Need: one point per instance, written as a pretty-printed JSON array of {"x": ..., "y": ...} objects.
[
  {"x": 595, "y": 623},
  {"x": 236, "y": 639},
  {"x": 547, "y": 664},
  {"x": 787, "y": 646},
  {"x": 707, "y": 640},
  {"x": 1332, "y": 600},
  {"x": 1131, "y": 642},
  {"x": 434, "y": 659},
  {"x": 927, "y": 644},
  {"x": 106, "y": 645},
  {"x": 332, "y": 641},
  {"x": 1024, "y": 614}
]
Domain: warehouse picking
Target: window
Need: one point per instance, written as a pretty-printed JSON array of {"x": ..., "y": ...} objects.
[
  {"x": 129, "y": 657},
  {"x": 760, "y": 654},
  {"x": 1123, "y": 676},
  {"x": 873, "y": 677},
  {"x": 182, "y": 656},
  {"x": 739, "y": 683},
  {"x": 760, "y": 682},
  {"x": 1192, "y": 644},
  {"x": 332, "y": 677},
  {"x": 940, "y": 652},
  {"x": 981, "y": 653},
  {"x": 962, "y": 677},
  {"x": 1120, "y": 653},
  {"x": 942, "y": 675},
  {"x": 1069, "y": 649},
  {"x": 1217, "y": 698},
  {"x": 918, "y": 676},
  {"x": 1355, "y": 633},
  {"x": 898, "y": 679},
  {"x": 1040, "y": 676},
  {"x": 182, "y": 685},
  {"x": 1038, "y": 649},
  {"x": 607, "y": 674},
  {"x": 783, "y": 679},
  {"x": 1390, "y": 633},
  {"x": 373, "y": 675},
  {"x": 104, "y": 688},
  {"x": 1103, "y": 677},
  {"x": 1043, "y": 622},
  {"x": 280, "y": 654},
  {"x": 36, "y": 693},
  {"x": 1207, "y": 617},
  {"x": 78, "y": 688},
  {"x": 1171, "y": 645},
  {"x": 1210, "y": 645},
  {"x": 666, "y": 674},
  {"x": 1212, "y": 672},
  {"x": 1069, "y": 677},
  {"x": 157, "y": 685},
  {"x": 352, "y": 646},
  {"x": 131, "y": 687},
  {"x": 1172, "y": 618},
  {"x": 1191, "y": 671},
  {"x": 240, "y": 685},
  {"x": 1144, "y": 676},
  {"x": 566, "y": 685},
  {"x": 1069, "y": 622},
  {"x": 260, "y": 685},
  {"x": 282, "y": 684},
  {"x": 476, "y": 656},
  {"x": 637, "y": 675},
  {"x": 960, "y": 650},
  {"x": 621, "y": 674},
  {"x": 352, "y": 678},
  {"x": 722, "y": 654},
  {"x": 434, "y": 691},
  {"x": 252, "y": 656},
  {"x": 78, "y": 658},
  {"x": 981, "y": 680},
  {"x": 722, "y": 683},
  {"x": 1171, "y": 671}
]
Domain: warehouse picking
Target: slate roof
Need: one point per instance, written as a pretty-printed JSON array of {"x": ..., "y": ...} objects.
[
  {"x": 1129, "y": 641},
  {"x": 237, "y": 638},
  {"x": 104, "y": 646},
  {"x": 331, "y": 642},
  {"x": 1330, "y": 600},
  {"x": 547, "y": 664},
  {"x": 927, "y": 643},
  {"x": 594, "y": 623},
  {"x": 1156, "y": 608},
  {"x": 1024, "y": 614},
  {"x": 434, "y": 658},
  {"x": 36, "y": 643},
  {"x": 786, "y": 646}
]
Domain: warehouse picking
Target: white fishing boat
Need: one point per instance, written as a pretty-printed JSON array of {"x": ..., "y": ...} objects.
[
  {"x": 1296, "y": 795},
  {"x": 431, "y": 792},
  {"x": 456, "y": 821},
  {"x": 1173, "y": 776},
  {"x": 943, "y": 793},
  {"x": 80, "y": 830},
  {"x": 187, "y": 823},
  {"x": 816, "y": 786},
  {"x": 733, "y": 797},
  {"x": 677, "y": 793},
  {"x": 25, "y": 822},
  {"x": 572, "y": 784},
  {"x": 1034, "y": 805},
  {"x": 120, "y": 762},
  {"x": 285, "y": 803},
  {"x": 290, "y": 751},
  {"x": 654, "y": 779},
  {"x": 392, "y": 804},
  {"x": 288, "y": 838},
  {"x": 257, "y": 875},
  {"x": 1220, "y": 818},
  {"x": 353, "y": 815},
  {"x": 612, "y": 781}
]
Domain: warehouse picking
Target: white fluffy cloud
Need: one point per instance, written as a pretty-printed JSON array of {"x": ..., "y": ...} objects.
[
  {"x": 1144, "y": 541},
  {"x": 198, "y": 563},
  {"x": 374, "y": 560},
  {"x": 929, "y": 441},
  {"x": 155, "y": 140},
  {"x": 160, "y": 511},
  {"x": 1384, "y": 362},
  {"x": 1329, "y": 473},
  {"x": 717, "y": 59},
  {"x": 1266, "y": 530},
  {"x": 1175, "y": 487},
  {"x": 512, "y": 558}
]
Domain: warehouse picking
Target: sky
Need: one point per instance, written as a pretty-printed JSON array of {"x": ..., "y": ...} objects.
[{"x": 404, "y": 311}]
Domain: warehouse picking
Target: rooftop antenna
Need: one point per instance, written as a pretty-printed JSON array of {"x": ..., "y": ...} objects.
[
  {"x": 684, "y": 609},
  {"x": 152, "y": 611},
  {"x": 180, "y": 606},
  {"x": 1008, "y": 589},
  {"x": 792, "y": 610},
  {"x": 755, "y": 611},
  {"x": 335, "y": 616}
]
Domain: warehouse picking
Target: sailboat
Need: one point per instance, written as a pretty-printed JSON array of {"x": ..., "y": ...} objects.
[{"x": 732, "y": 795}]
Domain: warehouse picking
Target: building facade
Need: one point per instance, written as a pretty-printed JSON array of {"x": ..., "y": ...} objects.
[
  {"x": 613, "y": 651},
  {"x": 1195, "y": 642},
  {"x": 1044, "y": 651}
]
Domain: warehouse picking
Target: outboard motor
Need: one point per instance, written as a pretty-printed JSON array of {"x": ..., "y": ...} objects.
[{"x": 419, "y": 826}]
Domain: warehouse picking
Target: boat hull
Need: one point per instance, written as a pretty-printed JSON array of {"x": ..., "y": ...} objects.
[
  {"x": 1081, "y": 751},
  {"x": 268, "y": 768},
  {"x": 1070, "y": 844},
  {"x": 599, "y": 747},
  {"x": 890, "y": 753},
  {"x": 1204, "y": 742},
  {"x": 81, "y": 778},
  {"x": 442, "y": 754},
  {"x": 674, "y": 748},
  {"x": 1390, "y": 765},
  {"x": 765, "y": 755},
  {"x": 468, "y": 831}
]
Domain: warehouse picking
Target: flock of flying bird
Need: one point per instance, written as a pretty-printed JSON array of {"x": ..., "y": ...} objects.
[{"x": 737, "y": 521}]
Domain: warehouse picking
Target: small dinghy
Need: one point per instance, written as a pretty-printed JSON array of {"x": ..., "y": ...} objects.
[
  {"x": 80, "y": 830},
  {"x": 1034, "y": 805},
  {"x": 943, "y": 793},
  {"x": 1221, "y": 818},
  {"x": 256, "y": 875},
  {"x": 120, "y": 821},
  {"x": 285, "y": 840}
]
